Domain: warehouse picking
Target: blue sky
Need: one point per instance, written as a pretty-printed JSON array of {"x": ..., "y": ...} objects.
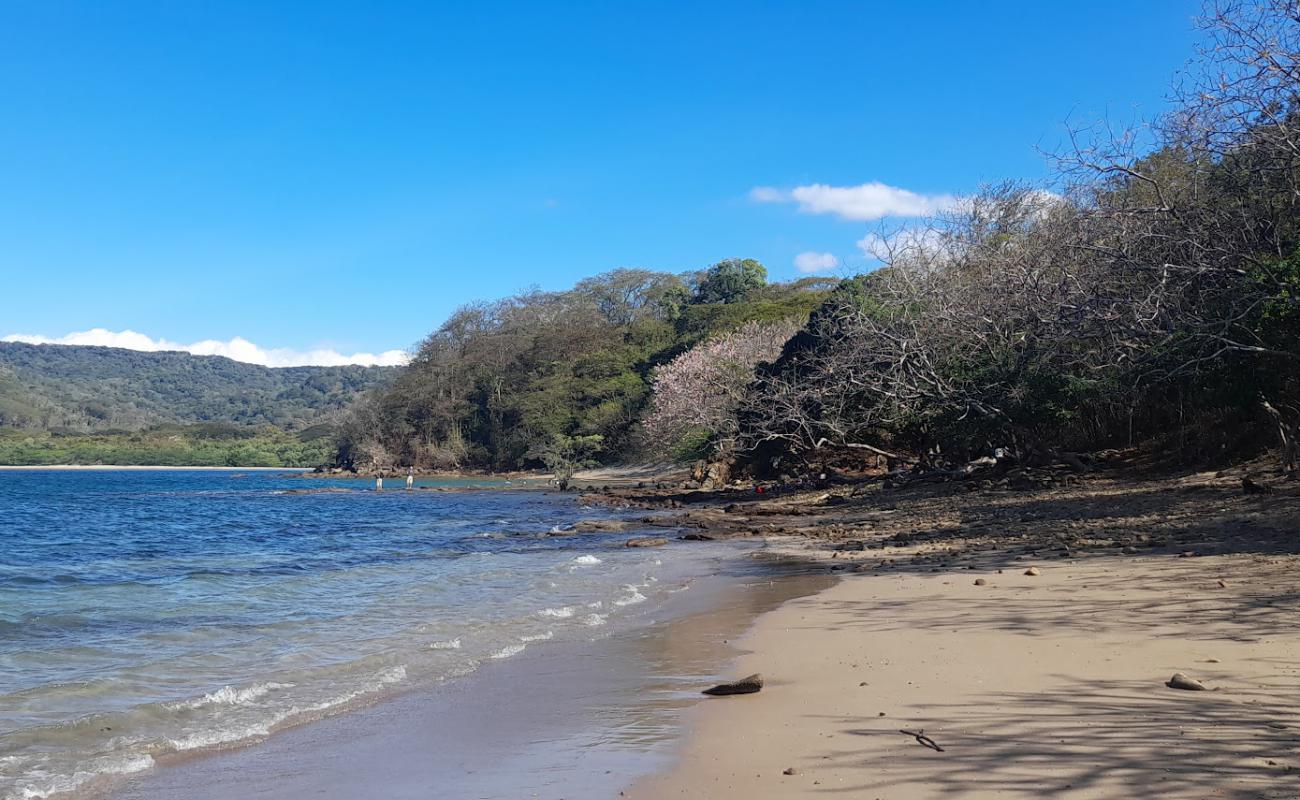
[{"x": 342, "y": 175}]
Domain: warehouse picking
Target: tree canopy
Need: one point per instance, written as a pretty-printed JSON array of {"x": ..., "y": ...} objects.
[{"x": 506, "y": 384}]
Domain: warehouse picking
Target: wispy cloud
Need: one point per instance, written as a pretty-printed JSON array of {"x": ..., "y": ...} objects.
[
  {"x": 812, "y": 262},
  {"x": 864, "y": 202},
  {"x": 767, "y": 194},
  {"x": 238, "y": 349},
  {"x": 904, "y": 243}
]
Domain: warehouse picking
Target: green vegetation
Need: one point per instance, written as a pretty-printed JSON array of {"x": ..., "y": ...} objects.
[
  {"x": 1138, "y": 298},
  {"x": 211, "y": 445},
  {"x": 99, "y": 405},
  {"x": 558, "y": 378},
  {"x": 89, "y": 389},
  {"x": 564, "y": 455}
]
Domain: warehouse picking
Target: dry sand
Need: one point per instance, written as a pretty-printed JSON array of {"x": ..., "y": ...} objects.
[{"x": 1034, "y": 686}]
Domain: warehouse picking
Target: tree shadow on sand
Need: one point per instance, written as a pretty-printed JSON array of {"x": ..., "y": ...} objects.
[{"x": 1100, "y": 738}]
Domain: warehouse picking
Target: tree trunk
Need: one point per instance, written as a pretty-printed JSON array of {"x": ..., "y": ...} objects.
[{"x": 1288, "y": 433}]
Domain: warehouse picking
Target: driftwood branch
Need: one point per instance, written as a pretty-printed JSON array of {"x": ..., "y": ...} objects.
[
  {"x": 861, "y": 446},
  {"x": 922, "y": 739}
]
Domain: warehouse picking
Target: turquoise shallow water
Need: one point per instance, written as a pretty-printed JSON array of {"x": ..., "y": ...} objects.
[{"x": 147, "y": 613}]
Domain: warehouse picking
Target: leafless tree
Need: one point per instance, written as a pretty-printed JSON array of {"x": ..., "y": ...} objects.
[{"x": 1023, "y": 312}]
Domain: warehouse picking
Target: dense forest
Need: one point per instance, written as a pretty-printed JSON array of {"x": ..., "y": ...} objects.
[
  {"x": 62, "y": 404},
  {"x": 559, "y": 378},
  {"x": 85, "y": 389},
  {"x": 202, "y": 445},
  {"x": 1149, "y": 293}
]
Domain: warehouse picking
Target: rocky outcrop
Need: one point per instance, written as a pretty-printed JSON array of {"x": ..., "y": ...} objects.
[{"x": 649, "y": 541}]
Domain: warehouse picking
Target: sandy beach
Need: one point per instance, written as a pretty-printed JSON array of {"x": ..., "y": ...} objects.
[
  {"x": 1046, "y": 685},
  {"x": 943, "y": 640}
]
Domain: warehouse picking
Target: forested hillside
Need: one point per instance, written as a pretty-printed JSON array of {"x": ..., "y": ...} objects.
[
  {"x": 559, "y": 378},
  {"x": 62, "y": 404},
  {"x": 87, "y": 389},
  {"x": 1143, "y": 295}
]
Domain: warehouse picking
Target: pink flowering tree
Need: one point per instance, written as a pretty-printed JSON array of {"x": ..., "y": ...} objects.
[{"x": 696, "y": 394}]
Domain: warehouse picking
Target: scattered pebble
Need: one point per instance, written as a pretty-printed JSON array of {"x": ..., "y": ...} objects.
[
  {"x": 1032, "y": 571},
  {"x": 980, "y": 582},
  {"x": 1181, "y": 681},
  {"x": 790, "y": 771}
]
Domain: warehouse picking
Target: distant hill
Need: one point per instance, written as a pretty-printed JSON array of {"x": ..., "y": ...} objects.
[{"x": 92, "y": 389}]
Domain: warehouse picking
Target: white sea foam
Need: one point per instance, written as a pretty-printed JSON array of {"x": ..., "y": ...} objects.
[
  {"x": 230, "y": 696},
  {"x": 586, "y": 560},
  {"x": 391, "y": 675},
  {"x": 537, "y": 637},
  {"x": 593, "y": 620},
  {"x": 218, "y": 736},
  {"x": 561, "y": 528},
  {"x": 632, "y": 598},
  {"x": 559, "y": 613},
  {"x": 597, "y": 604},
  {"x": 450, "y": 644},
  {"x": 509, "y": 650},
  {"x": 42, "y": 784}
]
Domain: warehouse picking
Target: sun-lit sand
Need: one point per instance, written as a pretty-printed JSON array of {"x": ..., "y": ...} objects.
[{"x": 1034, "y": 686}]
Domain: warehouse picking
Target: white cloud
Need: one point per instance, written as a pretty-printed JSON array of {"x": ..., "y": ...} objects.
[
  {"x": 907, "y": 242},
  {"x": 238, "y": 349},
  {"x": 812, "y": 262},
  {"x": 864, "y": 202}
]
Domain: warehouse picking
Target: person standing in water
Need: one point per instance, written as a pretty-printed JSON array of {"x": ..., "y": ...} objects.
[
  {"x": 410, "y": 478},
  {"x": 379, "y": 483}
]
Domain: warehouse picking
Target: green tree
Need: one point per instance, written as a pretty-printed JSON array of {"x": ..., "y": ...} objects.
[
  {"x": 565, "y": 455},
  {"x": 730, "y": 280}
]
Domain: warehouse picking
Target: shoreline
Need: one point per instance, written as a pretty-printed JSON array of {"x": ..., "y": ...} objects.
[
  {"x": 1050, "y": 684},
  {"x": 611, "y": 708}
]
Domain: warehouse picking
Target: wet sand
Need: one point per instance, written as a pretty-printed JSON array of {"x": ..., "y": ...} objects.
[{"x": 572, "y": 721}]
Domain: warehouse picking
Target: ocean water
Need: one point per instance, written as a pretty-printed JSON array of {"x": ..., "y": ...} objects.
[{"x": 149, "y": 613}]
